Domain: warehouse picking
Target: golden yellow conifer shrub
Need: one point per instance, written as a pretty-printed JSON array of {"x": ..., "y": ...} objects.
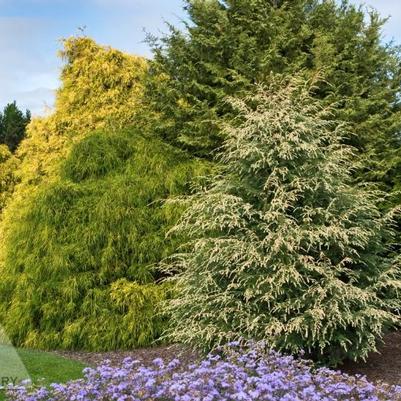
[
  {"x": 87, "y": 223},
  {"x": 100, "y": 88}
]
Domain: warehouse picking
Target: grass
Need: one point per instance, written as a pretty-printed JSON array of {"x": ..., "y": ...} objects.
[{"x": 42, "y": 367}]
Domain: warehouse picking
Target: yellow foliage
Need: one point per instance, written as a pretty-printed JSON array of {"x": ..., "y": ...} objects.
[
  {"x": 85, "y": 224},
  {"x": 101, "y": 88},
  {"x": 8, "y": 179}
]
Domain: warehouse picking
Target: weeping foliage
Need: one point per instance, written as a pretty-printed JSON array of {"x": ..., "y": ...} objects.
[
  {"x": 85, "y": 222},
  {"x": 100, "y": 88},
  {"x": 281, "y": 246},
  {"x": 78, "y": 257},
  {"x": 8, "y": 179}
]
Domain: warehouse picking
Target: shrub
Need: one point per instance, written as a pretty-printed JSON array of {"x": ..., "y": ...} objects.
[
  {"x": 8, "y": 179},
  {"x": 78, "y": 257},
  {"x": 281, "y": 246},
  {"x": 84, "y": 224},
  {"x": 101, "y": 88},
  {"x": 97, "y": 155},
  {"x": 252, "y": 374}
]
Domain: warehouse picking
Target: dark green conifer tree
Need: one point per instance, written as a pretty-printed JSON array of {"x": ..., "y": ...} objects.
[
  {"x": 13, "y": 124},
  {"x": 230, "y": 45}
]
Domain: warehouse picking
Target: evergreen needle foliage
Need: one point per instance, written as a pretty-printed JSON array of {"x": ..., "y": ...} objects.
[
  {"x": 281, "y": 246},
  {"x": 230, "y": 45},
  {"x": 77, "y": 259},
  {"x": 8, "y": 180},
  {"x": 84, "y": 225},
  {"x": 13, "y": 123},
  {"x": 100, "y": 88}
]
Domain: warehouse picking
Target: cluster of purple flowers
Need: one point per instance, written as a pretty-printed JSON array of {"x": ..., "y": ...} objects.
[{"x": 233, "y": 374}]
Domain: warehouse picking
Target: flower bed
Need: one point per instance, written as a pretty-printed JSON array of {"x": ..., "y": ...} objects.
[{"x": 234, "y": 374}]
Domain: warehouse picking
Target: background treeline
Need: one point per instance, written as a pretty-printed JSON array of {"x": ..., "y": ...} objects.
[
  {"x": 85, "y": 227},
  {"x": 13, "y": 123}
]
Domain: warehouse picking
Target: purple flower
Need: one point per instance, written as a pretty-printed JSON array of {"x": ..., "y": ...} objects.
[{"x": 248, "y": 373}]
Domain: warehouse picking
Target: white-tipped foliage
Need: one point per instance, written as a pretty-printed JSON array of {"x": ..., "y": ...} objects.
[{"x": 281, "y": 245}]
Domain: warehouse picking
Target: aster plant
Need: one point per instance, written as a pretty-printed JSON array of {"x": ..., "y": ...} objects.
[
  {"x": 233, "y": 374},
  {"x": 281, "y": 246}
]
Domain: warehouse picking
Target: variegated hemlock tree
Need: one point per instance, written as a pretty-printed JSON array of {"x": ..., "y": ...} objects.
[{"x": 281, "y": 246}]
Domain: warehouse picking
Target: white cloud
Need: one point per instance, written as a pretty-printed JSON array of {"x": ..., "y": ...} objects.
[
  {"x": 25, "y": 65},
  {"x": 38, "y": 101}
]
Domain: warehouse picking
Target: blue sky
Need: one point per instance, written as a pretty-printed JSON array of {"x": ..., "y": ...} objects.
[{"x": 30, "y": 31}]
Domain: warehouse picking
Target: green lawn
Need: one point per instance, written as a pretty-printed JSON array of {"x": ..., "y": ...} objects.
[{"x": 42, "y": 367}]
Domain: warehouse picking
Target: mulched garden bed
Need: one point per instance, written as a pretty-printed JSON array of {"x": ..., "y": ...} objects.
[
  {"x": 145, "y": 355},
  {"x": 383, "y": 366}
]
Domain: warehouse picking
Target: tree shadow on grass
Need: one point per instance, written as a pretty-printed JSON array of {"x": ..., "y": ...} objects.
[{"x": 12, "y": 369}]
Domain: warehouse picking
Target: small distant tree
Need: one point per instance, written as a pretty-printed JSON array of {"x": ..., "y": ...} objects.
[
  {"x": 281, "y": 246},
  {"x": 13, "y": 124}
]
